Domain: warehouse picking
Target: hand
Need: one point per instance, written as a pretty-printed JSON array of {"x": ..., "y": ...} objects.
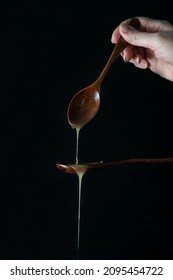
[{"x": 151, "y": 46}]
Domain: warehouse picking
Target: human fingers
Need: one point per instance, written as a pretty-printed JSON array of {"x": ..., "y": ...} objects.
[
  {"x": 116, "y": 34},
  {"x": 133, "y": 52},
  {"x": 140, "y": 62},
  {"x": 136, "y": 37},
  {"x": 146, "y": 24}
]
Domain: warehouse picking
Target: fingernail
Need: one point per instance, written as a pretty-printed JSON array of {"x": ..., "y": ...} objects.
[
  {"x": 126, "y": 28},
  {"x": 137, "y": 60},
  {"x": 144, "y": 64},
  {"x": 124, "y": 57}
]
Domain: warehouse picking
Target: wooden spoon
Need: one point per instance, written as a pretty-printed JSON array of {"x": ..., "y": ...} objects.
[
  {"x": 85, "y": 103},
  {"x": 93, "y": 166}
]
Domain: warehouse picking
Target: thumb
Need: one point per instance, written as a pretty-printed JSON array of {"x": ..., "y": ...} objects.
[{"x": 136, "y": 37}]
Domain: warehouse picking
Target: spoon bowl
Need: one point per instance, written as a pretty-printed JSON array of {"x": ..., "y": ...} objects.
[{"x": 85, "y": 104}]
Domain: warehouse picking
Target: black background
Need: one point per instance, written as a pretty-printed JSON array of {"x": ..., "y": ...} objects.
[{"x": 48, "y": 53}]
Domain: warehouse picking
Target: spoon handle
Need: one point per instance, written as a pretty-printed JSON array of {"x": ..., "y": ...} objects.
[
  {"x": 93, "y": 166},
  {"x": 119, "y": 47}
]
